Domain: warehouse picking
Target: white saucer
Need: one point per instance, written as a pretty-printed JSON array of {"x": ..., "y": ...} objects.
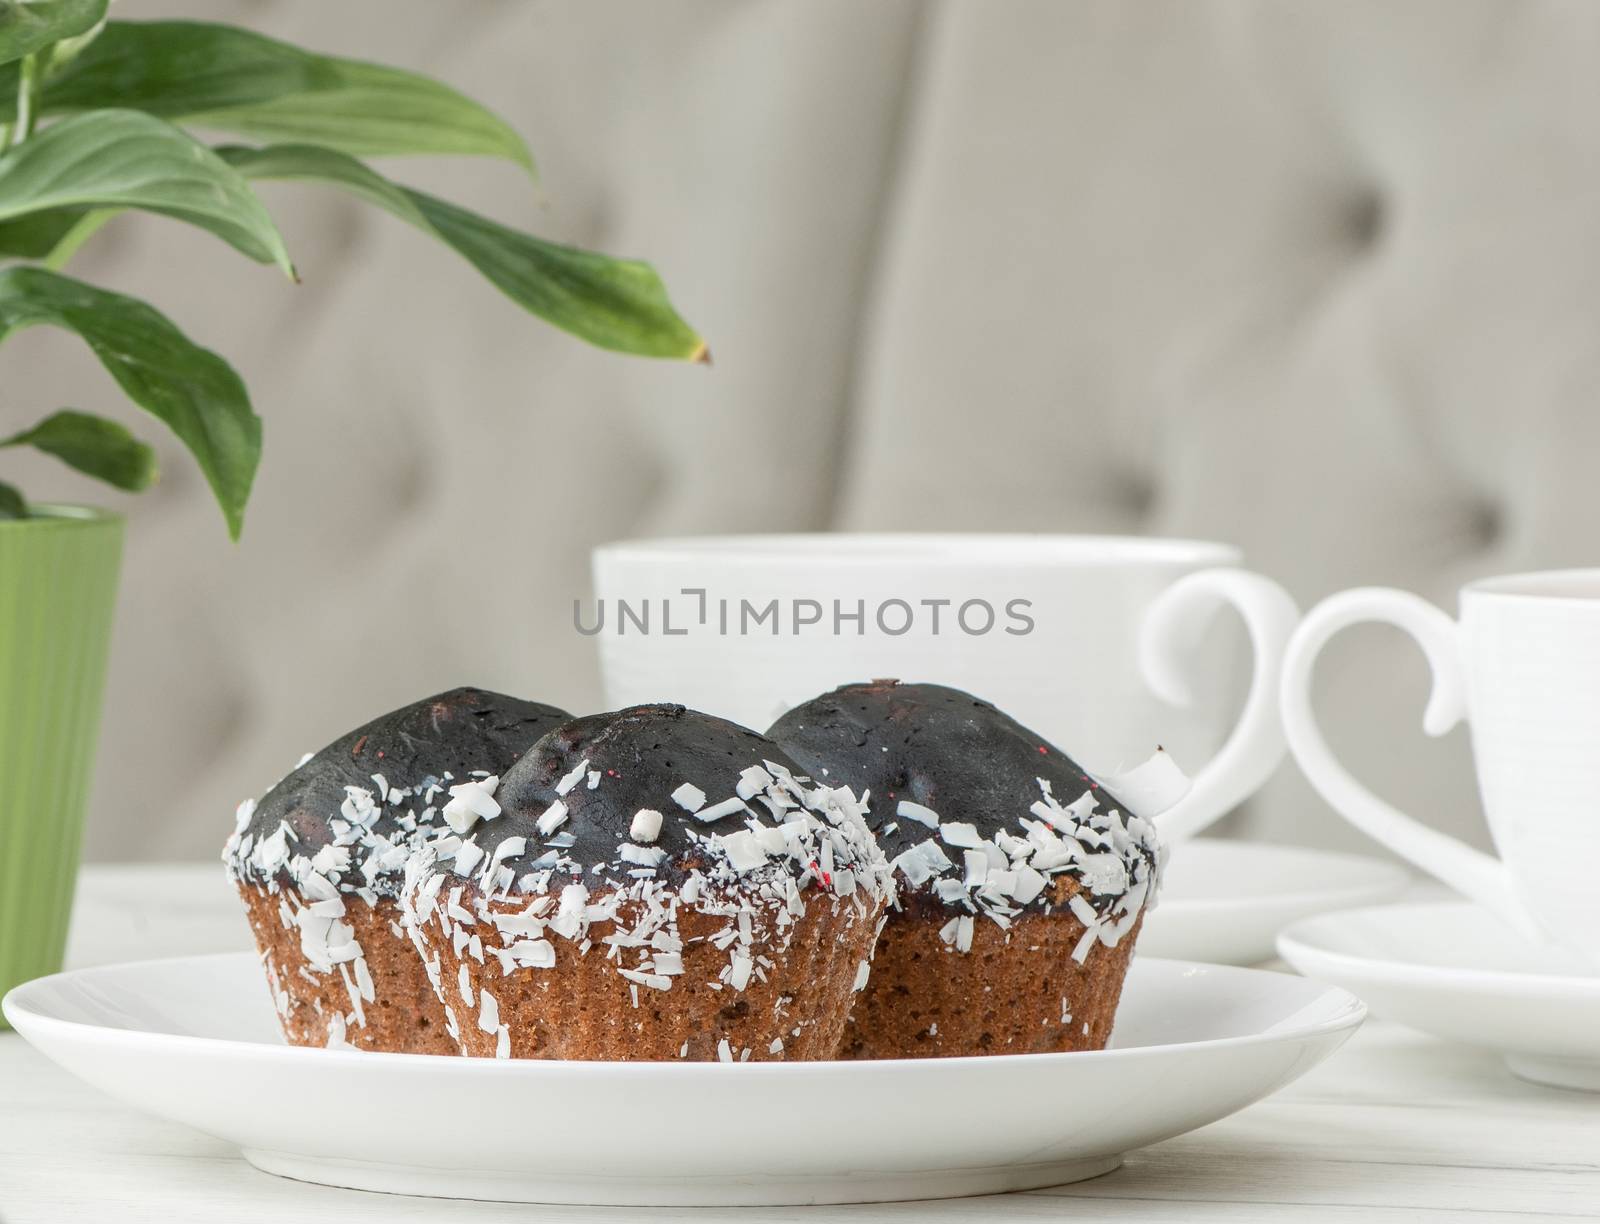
[
  {"x": 1225, "y": 901},
  {"x": 1454, "y": 970},
  {"x": 195, "y": 1040}
]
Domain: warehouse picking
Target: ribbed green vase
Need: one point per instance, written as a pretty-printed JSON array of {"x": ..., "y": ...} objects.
[{"x": 58, "y": 588}]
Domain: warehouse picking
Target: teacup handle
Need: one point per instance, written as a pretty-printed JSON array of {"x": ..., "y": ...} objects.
[
  {"x": 1172, "y": 625},
  {"x": 1477, "y": 875}
]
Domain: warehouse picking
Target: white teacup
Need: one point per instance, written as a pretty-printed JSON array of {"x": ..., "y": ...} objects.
[
  {"x": 1523, "y": 663},
  {"x": 1082, "y": 638}
]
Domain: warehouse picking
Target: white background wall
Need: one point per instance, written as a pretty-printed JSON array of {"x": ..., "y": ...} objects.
[{"x": 1314, "y": 277}]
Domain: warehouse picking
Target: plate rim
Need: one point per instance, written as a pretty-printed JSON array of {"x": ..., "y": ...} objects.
[
  {"x": 1351, "y": 1014},
  {"x": 1399, "y": 880},
  {"x": 1417, "y": 973}
]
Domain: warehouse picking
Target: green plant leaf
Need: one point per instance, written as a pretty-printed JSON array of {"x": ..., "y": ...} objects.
[
  {"x": 27, "y": 26},
  {"x": 127, "y": 159},
  {"x": 234, "y": 80},
  {"x": 54, "y": 235},
  {"x": 35, "y": 235},
  {"x": 95, "y": 446},
  {"x": 12, "y": 505},
  {"x": 617, "y": 304},
  {"x": 191, "y": 389}
]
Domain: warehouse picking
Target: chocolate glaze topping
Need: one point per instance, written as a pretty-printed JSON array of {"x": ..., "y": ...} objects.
[
  {"x": 946, "y": 750},
  {"x": 464, "y": 732},
  {"x": 959, "y": 760},
  {"x": 642, "y": 755}
]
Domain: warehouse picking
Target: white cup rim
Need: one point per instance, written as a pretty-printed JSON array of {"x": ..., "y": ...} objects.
[
  {"x": 1576, "y": 587},
  {"x": 967, "y": 549}
]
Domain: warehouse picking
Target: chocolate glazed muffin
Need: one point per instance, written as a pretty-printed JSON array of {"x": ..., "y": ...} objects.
[
  {"x": 661, "y": 884},
  {"x": 1022, "y": 880},
  {"x": 320, "y": 859}
]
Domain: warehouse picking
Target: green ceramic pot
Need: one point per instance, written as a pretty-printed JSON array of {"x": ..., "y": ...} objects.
[{"x": 58, "y": 588}]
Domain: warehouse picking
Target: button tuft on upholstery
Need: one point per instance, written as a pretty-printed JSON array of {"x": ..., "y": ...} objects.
[
  {"x": 1135, "y": 495},
  {"x": 1486, "y": 523},
  {"x": 1364, "y": 220}
]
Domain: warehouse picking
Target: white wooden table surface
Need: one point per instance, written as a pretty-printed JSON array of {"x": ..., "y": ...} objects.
[{"x": 1396, "y": 1126}]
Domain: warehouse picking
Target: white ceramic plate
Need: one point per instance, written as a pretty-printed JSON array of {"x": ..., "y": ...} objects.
[
  {"x": 195, "y": 1040},
  {"x": 1454, "y": 970},
  {"x": 1226, "y": 901}
]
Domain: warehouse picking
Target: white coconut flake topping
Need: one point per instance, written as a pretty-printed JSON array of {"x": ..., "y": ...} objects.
[
  {"x": 752, "y": 782},
  {"x": 1114, "y": 857},
  {"x": 976, "y": 863},
  {"x": 242, "y": 815},
  {"x": 488, "y": 1013},
  {"x": 470, "y": 802},
  {"x": 573, "y": 778},
  {"x": 644, "y": 856},
  {"x": 960, "y": 834},
  {"x": 744, "y": 850},
  {"x": 717, "y": 811},
  {"x": 922, "y": 862},
  {"x": 552, "y": 819},
  {"x": 646, "y": 826},
  {"x": 468, "y": 857}
]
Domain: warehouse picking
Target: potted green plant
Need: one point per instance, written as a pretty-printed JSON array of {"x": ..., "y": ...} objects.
[{"x": 95, "y": 120}]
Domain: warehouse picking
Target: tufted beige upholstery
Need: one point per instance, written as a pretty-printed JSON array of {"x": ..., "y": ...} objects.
[{"x": 1315, "y": 277}]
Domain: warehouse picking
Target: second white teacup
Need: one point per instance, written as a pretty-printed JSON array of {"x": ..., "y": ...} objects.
[{"x": 1523, "y": 664}]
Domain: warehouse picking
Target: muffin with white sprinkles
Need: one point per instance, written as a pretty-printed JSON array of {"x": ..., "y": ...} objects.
[
  {"x": 319, "y": 861},
  {"x": 1022, "y": 880},
  {"x": 661, "y": 885}
]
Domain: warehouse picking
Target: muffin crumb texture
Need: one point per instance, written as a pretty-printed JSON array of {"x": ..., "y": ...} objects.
[{"x": 1015, "y": 991}]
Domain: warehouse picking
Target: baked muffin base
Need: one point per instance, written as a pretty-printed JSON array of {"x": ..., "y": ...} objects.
[
  {"x": 582, "y": 1008},
  {"x": 404, "y": 1015},
  {"x": 1016, "y": 991}
]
